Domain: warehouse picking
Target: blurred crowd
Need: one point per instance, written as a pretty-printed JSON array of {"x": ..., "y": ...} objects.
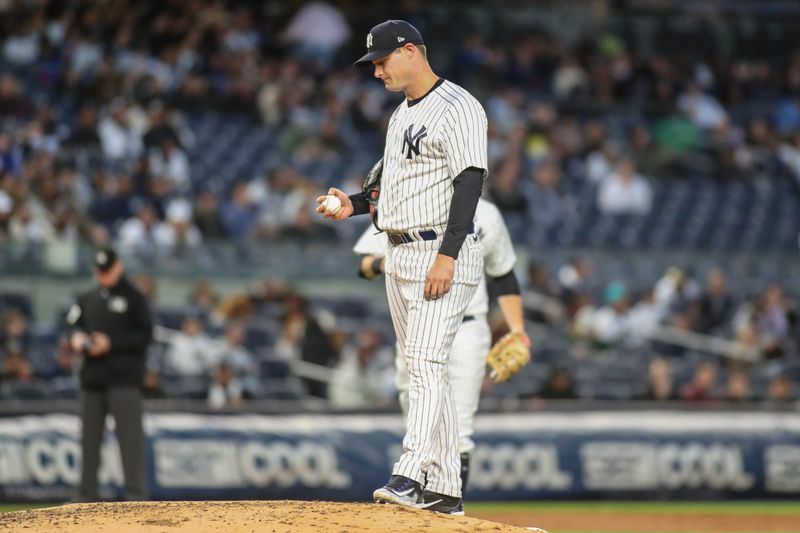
[
  {"x": 712, "y": 331},
  {"x": 268, "y": 341},
  {"x": 256, "y": 343},
  {"x": 95, "y": 97}
]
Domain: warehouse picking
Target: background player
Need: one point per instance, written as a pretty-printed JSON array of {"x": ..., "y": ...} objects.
[
  {"x": 467, "y": 361},
  {"x": 434, "y": 164}
]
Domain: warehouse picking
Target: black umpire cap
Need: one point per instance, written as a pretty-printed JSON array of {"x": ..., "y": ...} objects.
[
  {"x": 387, "y": 36},
  {"x": 104, "y": 258}
]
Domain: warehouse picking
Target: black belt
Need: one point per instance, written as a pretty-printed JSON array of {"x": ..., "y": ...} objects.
[
  {"x": 467, "y": 318},
  {"x": 424, "y": 235},
  {"x": 403, "y": 238}
]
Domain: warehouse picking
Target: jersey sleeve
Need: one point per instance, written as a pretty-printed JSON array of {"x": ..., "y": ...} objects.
[
  {"x": 499, "y": 256},
  {"x": 371, "y": 242},
  {"x": 464, "y": 142}
]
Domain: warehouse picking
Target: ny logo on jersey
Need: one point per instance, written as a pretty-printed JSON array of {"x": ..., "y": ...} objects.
[{"x": 411, "y": 142}]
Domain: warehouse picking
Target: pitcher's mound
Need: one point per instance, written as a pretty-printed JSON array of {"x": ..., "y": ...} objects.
[{"x": 241, "y": 517}]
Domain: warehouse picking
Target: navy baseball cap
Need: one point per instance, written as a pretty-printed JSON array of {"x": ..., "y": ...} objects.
[
  {"x": 104, "y": 259},
  {"x": 387, "y": 36}
]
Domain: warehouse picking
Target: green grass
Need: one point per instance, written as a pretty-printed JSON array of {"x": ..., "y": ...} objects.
[
  {"x": 8, "y": 507},
  {"x": 734, "y": 508}
]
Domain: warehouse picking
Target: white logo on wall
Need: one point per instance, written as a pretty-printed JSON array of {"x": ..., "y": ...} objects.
[
  {"x": 647, "y": 466},
  {"x": 200, "y": 463},
  {"x": 369, "y": 40},
  {"x": 52, "y": 460},
  {"x": 782, "y": 468},
  {"x": 508, "y": 466}
]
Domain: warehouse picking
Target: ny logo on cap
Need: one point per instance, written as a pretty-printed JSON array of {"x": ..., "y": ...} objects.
[{"x": 369, "y": 40}]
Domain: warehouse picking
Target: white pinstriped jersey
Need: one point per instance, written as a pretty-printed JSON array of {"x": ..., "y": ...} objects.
[
  {"x": 498, "y": 252},
  {"x": 429, "y": 142}
]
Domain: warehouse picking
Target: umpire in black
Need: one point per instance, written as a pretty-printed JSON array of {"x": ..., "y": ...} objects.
[{"x": 112, "y": 328}]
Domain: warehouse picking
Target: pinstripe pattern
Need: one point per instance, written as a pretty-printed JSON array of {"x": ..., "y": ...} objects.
[
  {"x": 425, "y": 330},
  {"x": 429, "y": 142},
  {"x": 467, "y": 362},
  {"x": 416, "y": 192},
  {"x": 466, "y": 368}
]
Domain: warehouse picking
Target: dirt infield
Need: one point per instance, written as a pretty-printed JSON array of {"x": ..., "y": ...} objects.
[
  {"x": 240, "y": 517},
  {"x": 643, "y": 522}
]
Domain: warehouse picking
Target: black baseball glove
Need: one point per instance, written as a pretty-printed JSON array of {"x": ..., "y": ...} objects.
[{"x": 372, "y": 189}]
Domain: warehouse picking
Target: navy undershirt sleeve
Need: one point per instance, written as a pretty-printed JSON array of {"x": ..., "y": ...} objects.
[
  {"x": 467, "y": 191},
  {"x": 360, "y": 204}
]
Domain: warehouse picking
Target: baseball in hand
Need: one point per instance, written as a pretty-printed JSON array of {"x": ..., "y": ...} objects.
[{"x": 332, "y": 205}]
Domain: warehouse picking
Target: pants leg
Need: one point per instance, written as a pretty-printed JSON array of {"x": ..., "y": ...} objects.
[
  {"x": 401, "y": 379},
  {"x": 126, "y": 406},
  {"x": 467, "y": 367},
  {"x": 430, "y": 446},
  {"x": 94, "y": 407}
]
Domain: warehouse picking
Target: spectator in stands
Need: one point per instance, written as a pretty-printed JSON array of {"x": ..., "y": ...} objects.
[
  {"x": 547, "y": 205},
  {"x": 203, "y": 297},
  {"x": 303, "y": 338},
  {"x": 317, "y": 31},
  {"x": 177, "y": 235},
  {"x": 738, "y": 388},
  {"x": 207, "y": 217},
  {"x": 660, "y": 383},
  {"x": 84, "y": 134},
  {"x": 779, "y": 389},
  {"x": 701, "y": 387},
  {"x": 191, "y": 353},
  {"x": 12, "y": 100},
  {"x": 676, "y": 290},
  {"x": 239, "y": 214},
  {"x": 225, "y": 389},
  {"x": 575, "y": 279},
  {"x": 704, "y": 110},
  {"x": 137, "y": 235},
  {"x": 234, "y": 353},
  {"x": 364, "y": 376},
  {"x": 504, "y": 188},
  {"x": 716, "y": 304},
  {"x": 773, "y": 321},
  {"x": 30, "y": 224},
  {"x": 14, "y": 346},
  {"x": 118, "y": 138},
  {"x": 609, "y": 324},
  {"x": 558, "y": 386},
  {"x": 160, "y": 130},
  {"x": 624, "y": 191},
  {"x": 113, "y": 200},
  {"x": 600, "y": 163},
  {"x": 170, "y": 162},
  {"x": 644, "y": 318},
  {"x": 541, "y": 303}
]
